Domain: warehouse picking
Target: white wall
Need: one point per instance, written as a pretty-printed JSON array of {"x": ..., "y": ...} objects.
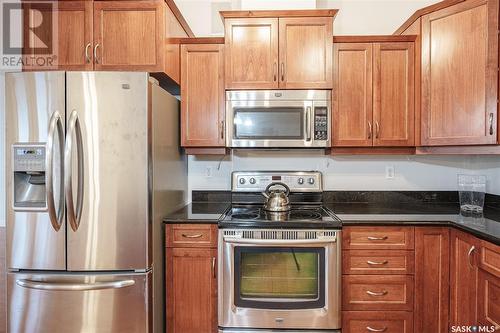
[{"x": 348, "y": 172}]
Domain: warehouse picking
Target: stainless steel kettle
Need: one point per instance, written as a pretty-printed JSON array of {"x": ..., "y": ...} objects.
[{"x": 277, "y": 199}]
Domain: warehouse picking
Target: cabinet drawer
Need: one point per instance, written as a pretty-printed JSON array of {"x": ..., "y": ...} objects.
[
  {"x": 490, "y": 258},
  {"x": 384, "y": 238},
  {"x": 191, "y": 235},
  {"x": 377, "y": 292},
  {"x": 387, "y": 322},
  {"x": 378, "y": 262}
]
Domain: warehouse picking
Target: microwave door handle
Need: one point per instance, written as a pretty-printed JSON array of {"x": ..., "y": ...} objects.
[{"x": 308, "y": 123}]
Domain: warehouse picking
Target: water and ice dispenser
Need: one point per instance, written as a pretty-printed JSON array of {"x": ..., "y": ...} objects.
[{"x": 29, "y": 177}]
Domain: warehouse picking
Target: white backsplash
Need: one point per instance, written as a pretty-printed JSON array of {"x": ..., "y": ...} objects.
[{"x": 348, "y": 172}]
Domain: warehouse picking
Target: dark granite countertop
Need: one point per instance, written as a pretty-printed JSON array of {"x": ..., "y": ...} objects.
[{"x": 199, "y": 212}]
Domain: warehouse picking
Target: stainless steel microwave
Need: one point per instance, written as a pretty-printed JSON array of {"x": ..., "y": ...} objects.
[{"x": 278, "y": 118}]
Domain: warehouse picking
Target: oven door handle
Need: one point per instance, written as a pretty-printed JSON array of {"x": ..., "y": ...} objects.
[{"x": 279, "y": 242}]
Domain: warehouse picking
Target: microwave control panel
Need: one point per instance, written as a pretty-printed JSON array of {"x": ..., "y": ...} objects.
[{"x": 321, "y": 123}]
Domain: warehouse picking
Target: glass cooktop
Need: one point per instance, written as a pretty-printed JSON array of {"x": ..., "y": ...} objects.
[{"x": 255, "y": 213}]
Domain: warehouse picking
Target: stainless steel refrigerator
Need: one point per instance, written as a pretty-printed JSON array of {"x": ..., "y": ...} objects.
[{"x": 93, "y": 164}]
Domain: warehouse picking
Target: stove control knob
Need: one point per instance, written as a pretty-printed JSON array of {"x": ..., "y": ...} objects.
[
  {"x": 300, "y": 181},
  {"x": 310, "y": 181},
  {"x": 252, "y": 181},
  {"x": 242, "y": 181}
]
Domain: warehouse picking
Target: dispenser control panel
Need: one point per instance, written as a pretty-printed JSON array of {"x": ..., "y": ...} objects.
[{"x": 29, "y": 158}]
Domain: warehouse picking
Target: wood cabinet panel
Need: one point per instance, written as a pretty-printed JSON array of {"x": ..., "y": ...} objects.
[
  {"x": 489, "y": 258},
  {"x": 393, "y": 94},
  {"x": 383, "y": 238},
  {"x": 378, "y": 292},
  {"x": 377, "y": 262},
  {"x": 305, "y": 53},
  {"x": 432, "y": 283},
  {"x": 352, "y": 95},
  {"x": 191, "y": 235},
  {"x": 251, "y": 60},
  {"x": 202, "y": 90},
  {"x": 70, "y": 40},
  {"x": 488, "y": 298},
  {"x": 377, "y": 321},
  {"x": 129, "y": 35},
  {"x": 191, "y": 290},
  {"x": 463, "y": 278},
  {"x": 459, "y": 74}
]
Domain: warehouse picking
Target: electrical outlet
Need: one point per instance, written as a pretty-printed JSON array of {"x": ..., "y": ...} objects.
[
  {"x": 208, "y": 172},
  {"x": 389, "y": 172}
]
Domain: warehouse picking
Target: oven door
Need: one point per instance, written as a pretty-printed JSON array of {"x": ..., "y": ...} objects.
[
  {"x": 279, "y": 283},
  {"x": 268, "y": 123}
]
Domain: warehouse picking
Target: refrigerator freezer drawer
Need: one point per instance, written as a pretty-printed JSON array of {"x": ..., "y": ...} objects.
[{"x": 79, "y": 303}]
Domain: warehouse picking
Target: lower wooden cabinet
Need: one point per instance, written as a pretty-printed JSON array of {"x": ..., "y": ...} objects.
[
  {"x": 191, "y": 280},
  {"x": 377, "y": 321},
  {"x": 488, "y": 300}
]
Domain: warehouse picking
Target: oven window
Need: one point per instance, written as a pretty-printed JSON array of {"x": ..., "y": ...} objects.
[
  {"x": 279, "y": 278},
  {"x": 269, "y": 123}
]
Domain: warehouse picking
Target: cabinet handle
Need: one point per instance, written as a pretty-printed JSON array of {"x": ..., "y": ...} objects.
[
  {"x": 377, "y": 238},
  {"x": 192, "y": 236},
  {"x": 222, "y": 128},
  {"x": 214, "y": 261},
  {"x": 377, "y": 129},
  {"x": 374, "y": 293},
  {"x": 370, "y": 329},
  {"x": 369, "y": 262},
  {"x": 87, "y": 56},
  {"x": 491, "y": 123},
  {"x": 282, "y": 71},
  {"x": 370, "y": 130},
  {"x": 275, "y": 71},
  {"x": 469, "y": 256},
  {"x": 95, "y": 53}
]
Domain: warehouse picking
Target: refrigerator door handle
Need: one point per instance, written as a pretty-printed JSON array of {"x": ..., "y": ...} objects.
[
  {"x": 56, "y": 217},
  {"x": 74, "y": 215},
  {"x": 50, "y": 286}
]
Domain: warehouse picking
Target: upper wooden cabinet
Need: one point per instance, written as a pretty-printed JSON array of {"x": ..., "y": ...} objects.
[
  {"x": 202, "y": 91},
  {"x": 99, "y": 35},
  {"x": 459, "y": 74},
  {"x": 128, "y": 35},
  {"x": 373, "y": 94},
  {"x": 266, "y": 52}
]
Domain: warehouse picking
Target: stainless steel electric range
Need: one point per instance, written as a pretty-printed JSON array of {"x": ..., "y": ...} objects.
[{"x": 279, "y": 256}]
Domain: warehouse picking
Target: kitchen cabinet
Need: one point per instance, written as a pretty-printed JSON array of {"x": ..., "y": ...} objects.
[
  {"x": 191, "y": 278},
  {"x": 270, "y": 50},
  {"x": 463, "y": 278},
  {"x": 202, "y": 90},
  {"x": 488, "y": 297},
  {"x": 377, "y": 321},
  {"x": 459, "y": 74},
  {"x": 71, "y": 39},
  {"x": 373, "y": 94},
  {"x": 432, "y": 283}
]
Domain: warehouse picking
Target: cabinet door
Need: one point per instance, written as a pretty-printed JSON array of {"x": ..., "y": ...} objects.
[
  {"x": 488, "y": 300},
  {"x": 69, "y": 35},
  {"x": 305, "y": 52},
  {"x": 129, "y": 35},
  {"x": 459, "y": 74},
  {"x": 432, "y": 283},
  {"x": 463, "y": 282},
  {"x": 251, "y": 53},
  {"x": 202, "y": 91},
  {"x": 393, "y": 94},
  {"x": 352, "y": 95},
  {"x": 191, "y": 290}
]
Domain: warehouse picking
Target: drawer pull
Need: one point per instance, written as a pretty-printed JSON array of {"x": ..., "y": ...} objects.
[
  {"x": 377, "y": 238},
  {"x": 369, "y": 262},
  {"x": 370, "y": 329},
  {"x": 373, "y": 293},
  {"x": 192, "y": 236}
]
